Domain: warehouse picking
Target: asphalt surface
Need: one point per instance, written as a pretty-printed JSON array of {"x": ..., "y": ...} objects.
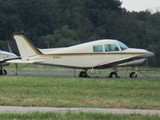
[
  {"x": 16, "y": 109},
  {"x": 64, "y": 72}
]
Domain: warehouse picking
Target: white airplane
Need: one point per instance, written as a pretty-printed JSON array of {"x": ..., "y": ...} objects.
[
  {"x": 98, "y": 54},
  {"x": 4, "y": 57}
]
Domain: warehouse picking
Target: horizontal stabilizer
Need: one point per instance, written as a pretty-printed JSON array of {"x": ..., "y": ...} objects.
[
  {"x": 1, "y": 60},
  {"x": 120, "y": 62}
]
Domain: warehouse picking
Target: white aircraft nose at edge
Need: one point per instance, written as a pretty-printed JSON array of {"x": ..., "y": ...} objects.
[
  {"x": 99, "y": 54},
  {"x": 4, "y": 57}
]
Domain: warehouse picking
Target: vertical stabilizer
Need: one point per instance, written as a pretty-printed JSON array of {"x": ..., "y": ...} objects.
[{"x": 25, "y": 47}]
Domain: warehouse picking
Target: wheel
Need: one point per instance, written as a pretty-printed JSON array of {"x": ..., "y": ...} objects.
[
  {"x": 113, "y": 75},
  {"x": 83, "y": 74},
  {"x": 133, "y": 75},
  {"x": 3, "y": 72}
]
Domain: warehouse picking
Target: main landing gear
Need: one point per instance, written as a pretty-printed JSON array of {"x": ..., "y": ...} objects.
[
  {"x": 3, "y": 71},
  {"x": 113, "y": 75},
  {"x": 83, "y": 74}
]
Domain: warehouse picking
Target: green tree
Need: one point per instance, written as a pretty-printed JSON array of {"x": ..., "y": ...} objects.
[{"x": 65, "y": 37}]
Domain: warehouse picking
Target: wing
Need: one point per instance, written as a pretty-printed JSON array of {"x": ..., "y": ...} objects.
[
  {"x": 116, "y": 62},
  {"x": 22, "y": 61}
]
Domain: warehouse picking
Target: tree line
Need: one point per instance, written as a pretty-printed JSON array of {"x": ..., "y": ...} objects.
[{"x": 61, "y": 23}]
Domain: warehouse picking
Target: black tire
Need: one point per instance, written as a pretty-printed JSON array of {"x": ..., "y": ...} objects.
[
  {"x": 83, "y": 74},
  {"x": 3, "y": 72},
  {"x": 133, "y": 75},
  {"x": 113, "y": 75}
]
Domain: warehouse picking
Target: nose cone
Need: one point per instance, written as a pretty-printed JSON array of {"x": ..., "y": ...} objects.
[{"x": 149, "y": 54}]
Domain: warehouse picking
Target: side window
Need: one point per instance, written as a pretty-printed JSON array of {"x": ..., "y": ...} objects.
[
  {"x": 111, "y": 47},
  {"x": 107, "y": 48},
  {"x": 98, "y": 48}
]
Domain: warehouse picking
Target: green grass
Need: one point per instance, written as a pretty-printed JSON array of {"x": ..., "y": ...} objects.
[
  {"x": 80, "y": 92},
  {"x": 76, "y": 116}
]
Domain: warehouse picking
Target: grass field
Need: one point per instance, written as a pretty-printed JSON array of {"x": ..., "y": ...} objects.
[
  {"x": 76, "y": 116},
  {"x": 79, "y": 92}
]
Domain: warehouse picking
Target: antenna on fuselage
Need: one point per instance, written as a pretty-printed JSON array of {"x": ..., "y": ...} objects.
[{"x": 9, "y": 48}]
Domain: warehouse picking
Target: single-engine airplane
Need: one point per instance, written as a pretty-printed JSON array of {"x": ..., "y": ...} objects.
[
  {"x": 100, "y": 54},
  {"x": 4, "y": 57}
]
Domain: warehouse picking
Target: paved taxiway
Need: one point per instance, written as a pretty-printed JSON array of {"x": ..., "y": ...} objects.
[
  {"x": 16, "y": 109},
  {"x": 63, "y": 74}
]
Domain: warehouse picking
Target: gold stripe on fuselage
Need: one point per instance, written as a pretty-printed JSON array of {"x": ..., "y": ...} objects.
[{"x": 88, "y": 54}]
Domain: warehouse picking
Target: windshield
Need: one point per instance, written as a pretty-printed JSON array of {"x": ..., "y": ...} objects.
[{"x": 122, "y": 45}]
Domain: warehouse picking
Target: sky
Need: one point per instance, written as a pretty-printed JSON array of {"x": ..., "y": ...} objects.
[{"x": 141, "y": 5}]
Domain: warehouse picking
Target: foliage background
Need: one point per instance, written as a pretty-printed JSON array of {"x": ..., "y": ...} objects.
[{"x": 60, "y": 23}]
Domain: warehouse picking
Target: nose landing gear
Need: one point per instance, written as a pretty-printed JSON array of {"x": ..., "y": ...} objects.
[{"x": 133, "y": 75}]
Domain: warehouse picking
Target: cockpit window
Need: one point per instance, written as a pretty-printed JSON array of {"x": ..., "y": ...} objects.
[
  {"x": 111, "y": 47},
  {"x": 98, "y": 48},
  {"x": 122, "y": 45}
]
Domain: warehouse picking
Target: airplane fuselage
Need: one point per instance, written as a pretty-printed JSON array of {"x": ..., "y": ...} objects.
[{"x": 73, "y": 57}]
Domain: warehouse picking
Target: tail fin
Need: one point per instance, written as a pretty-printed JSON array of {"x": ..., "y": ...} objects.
[{"x": 25, "y": 47}]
